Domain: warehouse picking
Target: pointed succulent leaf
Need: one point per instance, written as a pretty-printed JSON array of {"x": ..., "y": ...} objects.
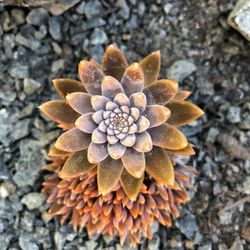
[
  {"x": 99, "y": 102},
  {"x": 85, "y": 123},
  {"x": 131, "y": 185},
  {"x": 133, "y": 79},
  {"x": 76, "y": 165},
  {"x": 138, "y": 100},
  {"x": 161, "y": 91},
  {"x": 111, "y": 87},
  {"x": 182, "y": 95},
  {"x": 151, "y": 67},
  {"x": 73, "y": 140},
  {"x": 134, "y": 162},
  {"x": 188, "y": 150},
  {"x": 80, "y": 102},
  {"x": 168, "y": 136},
  {"x": 156, "y": 114},
  {"x": 59, "y": 111},
  {"x": 91, "y": 76},
  {"x": 66, "y": 86},
  {"x": 183, "y": 112},
  {"x": 114, "y": 62},
  {"x": 53, "y": 151},
  {"x": 108, "y": 174},
  {"x": 160, "y": 166},
  {"x": 143, "y": 142},
  {"x": 116, "y": 150},
  {"x": 97, "y": 152}
]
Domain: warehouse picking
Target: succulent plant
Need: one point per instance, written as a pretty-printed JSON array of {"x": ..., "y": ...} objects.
[{"x": 118, "y": 153}]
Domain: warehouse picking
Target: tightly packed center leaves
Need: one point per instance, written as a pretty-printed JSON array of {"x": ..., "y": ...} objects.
[{"x": 123, "y": 120}]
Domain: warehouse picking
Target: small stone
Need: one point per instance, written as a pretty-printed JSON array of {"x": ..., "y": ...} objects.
[
  {"x": 212, "y": 135},
  {"x": 91, "y": 244},
  {"x": 237, "y": 245},
  {"x": 19, "y": 71},
  {"x": 124, "y": 9},
  {"x": 30, "y": 86},
  {"x": 154, "y": 243},
  {"x": 57, "y": 65},
  {"x": 167, "y": 7},
  {"x": 93, "y": 9},
  {"x": 3, "y": 191},
  {"x": 8, "y": 97},
  {"x": 80, "y": 9},
  {"x": 33, "y": 200},
  {"x": 29, "y": 164},
  {"x": 18, "y": 15},
  {"x": 5, "y": 241},
  {"x": 206, "y": 247},
  {"x": 26, "y": 242},
  {"x": 98, "y": 37},
  {"x": 20, "y": 129},
  {"x": 28, "y": 42},
  {"x": 37, "y": 16},
  {"x": 233, "y": 114},
  {"x": 225, "y": 217},
  {"x": 239, "y": 18},
  {"x": 187, "y": 225},
  {"x": 179, "y": 70},
  {"x": 55, "y": 28},
  {"x": 57, "y": 8}
]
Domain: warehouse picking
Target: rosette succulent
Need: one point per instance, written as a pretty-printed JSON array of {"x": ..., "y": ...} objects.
[{"x": 121, "y": 124}]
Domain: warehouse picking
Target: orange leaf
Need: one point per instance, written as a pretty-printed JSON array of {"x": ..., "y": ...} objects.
[
  {"x": 66, "y": 86},
  {"x": 75, "y": 165},
  {"x": 188, "y": 150},
  {"x": 59, "y": 111},
  {"x": 151, "y": 67},
  {"x": 130, "y": 184},
  {"x": 160, "y": 166},
  {"x": 183, "y": 112}
]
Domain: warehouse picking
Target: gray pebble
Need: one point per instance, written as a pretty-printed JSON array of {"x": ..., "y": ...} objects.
[
  {"x": 37, "y": 16},
  {"x": 30, "y": 86},
  {"x": 20, "y": 129},
  {"x": 98, "y": 37},
  {"x": 233, "y": 114},
  {"x": 187, "y": 225},
  {"x": 4, "y": 241},
  {"x": 33, "y": 200},
  {"x": 19, "y": 71},
  {"x": 25, "y": 242},
  {"x": 55, "y": 28},
  {"x": 57, "y": 65},
  {"x": 180, "y": 70},
  {"x": 93, "y": 9}
]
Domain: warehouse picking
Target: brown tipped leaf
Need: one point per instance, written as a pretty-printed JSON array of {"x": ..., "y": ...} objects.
[
  {"x": 91, "y": 76},
  {"x": 108, "y": 174},
  {"x": 73, "y": 140},
  {"x": 114, "y": 62},
  {"x": 76, "y": 165},
  {"x": 156, "y": 114},
  {"x": 188, "y": 150},
  {"x": 80, "y": 102},
  {"x": 182, "y": 95},
  {"x": 168, "y": 136},
  {"x": 59, "y": 111},
  {"x": 151, "y": 67},
  {"x": 66, "y": 86},
  {"x": 183, "y": 112},
  {"x": 131, "y": 185},
  {"x": 134, "y": 162},
  {"x": 160, "y": 166},
  {"x": 133, "y": 79},
  {"x": 161, "y": 91},
  {"x": 53, "y": 151}
]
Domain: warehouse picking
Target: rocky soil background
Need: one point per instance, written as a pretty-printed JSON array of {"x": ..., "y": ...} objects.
[{"x": 198, "y": 49}]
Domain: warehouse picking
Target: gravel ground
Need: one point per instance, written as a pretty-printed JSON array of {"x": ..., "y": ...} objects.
[{"x": 198, "y": 49}]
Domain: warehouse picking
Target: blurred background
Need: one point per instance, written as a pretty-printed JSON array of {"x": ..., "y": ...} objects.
[{"x": 43, "y": 40}]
